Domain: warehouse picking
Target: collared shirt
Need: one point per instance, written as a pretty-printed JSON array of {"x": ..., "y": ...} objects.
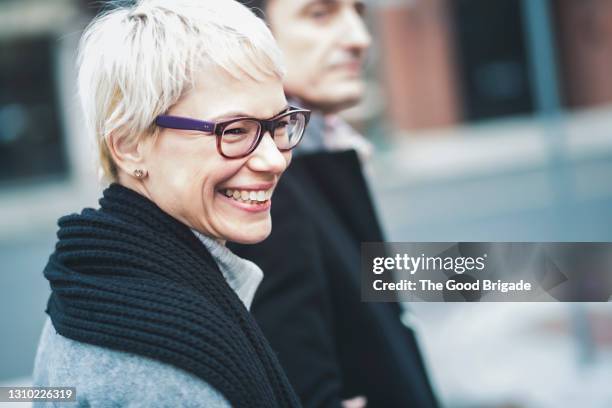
[
  {"x": 242, "y": 275},
  {"x": 339, "y": 135},
  {"x": 332, "y": 133}
]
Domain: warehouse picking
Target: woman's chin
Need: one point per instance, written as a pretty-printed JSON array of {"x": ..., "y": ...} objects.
[{"x": 251, "y": 235}]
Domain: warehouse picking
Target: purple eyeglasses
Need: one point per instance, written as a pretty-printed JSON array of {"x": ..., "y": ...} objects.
[{"x": 239, "y": 137}]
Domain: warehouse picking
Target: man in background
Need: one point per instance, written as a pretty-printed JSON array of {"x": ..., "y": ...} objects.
[{"x": 336, "y": 350}]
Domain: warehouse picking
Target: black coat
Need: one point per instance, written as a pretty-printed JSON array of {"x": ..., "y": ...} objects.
[{"x": 332, "y": 345}]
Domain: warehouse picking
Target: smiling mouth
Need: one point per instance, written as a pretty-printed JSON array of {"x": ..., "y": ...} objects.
[{"x": 258, "y": 197}]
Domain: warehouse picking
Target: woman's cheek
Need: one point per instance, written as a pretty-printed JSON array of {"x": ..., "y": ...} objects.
[{"x": 288, "y": 156}]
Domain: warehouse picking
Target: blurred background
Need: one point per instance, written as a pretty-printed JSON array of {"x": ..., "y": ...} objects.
[{"x": 492, "y": 121}]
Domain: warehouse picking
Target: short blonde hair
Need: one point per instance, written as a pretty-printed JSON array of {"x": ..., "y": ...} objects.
[{"x": 136, "y": 61}]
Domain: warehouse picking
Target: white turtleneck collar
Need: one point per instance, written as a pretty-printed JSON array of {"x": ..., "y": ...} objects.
[{"x": 242, "y": 275}]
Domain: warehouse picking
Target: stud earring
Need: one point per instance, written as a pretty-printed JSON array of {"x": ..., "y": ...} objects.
[{"x": 139, "y": 174}]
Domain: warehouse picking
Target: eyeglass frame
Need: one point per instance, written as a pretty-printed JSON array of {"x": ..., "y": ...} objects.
[{"x": 217, "y": 128}]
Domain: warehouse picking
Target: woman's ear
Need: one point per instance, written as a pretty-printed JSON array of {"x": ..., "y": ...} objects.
[{"x": 128, "y": 155}]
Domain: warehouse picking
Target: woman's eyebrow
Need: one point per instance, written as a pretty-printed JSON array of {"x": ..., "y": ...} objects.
[
  {"x": 236, "y": 114},
  {"x": 283, "y": 111}
]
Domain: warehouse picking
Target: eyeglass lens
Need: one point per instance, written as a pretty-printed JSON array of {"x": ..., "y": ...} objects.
[{"x": 239, "y": 138}]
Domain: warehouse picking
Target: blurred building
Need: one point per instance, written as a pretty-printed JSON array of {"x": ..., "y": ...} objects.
[
  {"x": 46, "y": 159},
  {"x": 468, "y": 60}
]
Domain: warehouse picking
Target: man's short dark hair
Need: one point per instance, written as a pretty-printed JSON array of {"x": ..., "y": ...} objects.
[{"x": 258, "y": 6}]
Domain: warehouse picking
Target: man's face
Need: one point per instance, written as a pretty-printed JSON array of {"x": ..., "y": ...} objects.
[{"x": 324, "y": 42}]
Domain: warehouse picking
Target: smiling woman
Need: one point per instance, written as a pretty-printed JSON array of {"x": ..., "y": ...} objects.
[{"x": 186, "y": 101}]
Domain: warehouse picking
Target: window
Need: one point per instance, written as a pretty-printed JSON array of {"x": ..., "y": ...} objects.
[
  {"x": 493, "y": 58},
  {"x": 31, "y": 137}
]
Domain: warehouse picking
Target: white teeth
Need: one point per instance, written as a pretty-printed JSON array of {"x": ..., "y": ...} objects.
[{"x": 249, "y": 196}]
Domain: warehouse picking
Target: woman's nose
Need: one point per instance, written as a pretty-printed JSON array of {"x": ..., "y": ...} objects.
[{"x": 267, "y": 157}]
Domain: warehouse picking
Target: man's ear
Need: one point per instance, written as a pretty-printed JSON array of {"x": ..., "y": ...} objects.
[{"x": 128, "y": 154}]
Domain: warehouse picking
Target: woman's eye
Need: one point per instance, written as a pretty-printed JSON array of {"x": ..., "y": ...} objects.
[
  {"x": 282, "y": 124},
  {"x": 235, "y": 135},
  {"x": 236, "y": 131}
]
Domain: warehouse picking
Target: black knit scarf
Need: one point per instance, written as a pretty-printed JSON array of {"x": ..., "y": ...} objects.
[{"x": 130, "y": 277}]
